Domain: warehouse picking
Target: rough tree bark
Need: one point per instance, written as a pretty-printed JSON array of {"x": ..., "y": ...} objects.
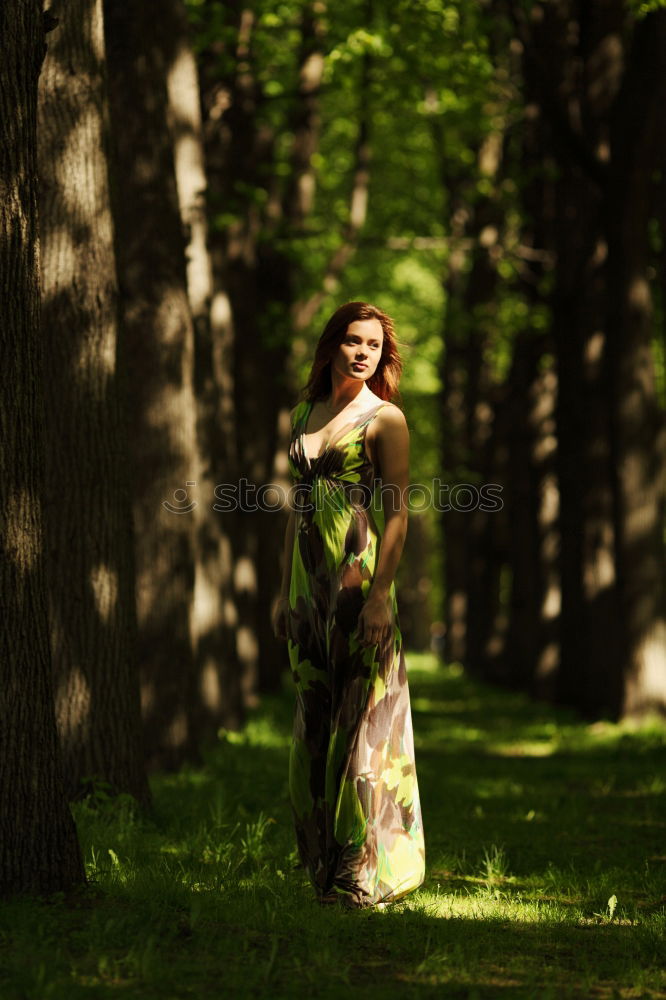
[
  {"x": 158, "y": 349},
  {"x": 39, "y": 850},
  {"x": 88, "y": 514}
]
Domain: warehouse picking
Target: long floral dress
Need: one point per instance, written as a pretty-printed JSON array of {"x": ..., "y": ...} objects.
[{"x": 352, "y": 776}]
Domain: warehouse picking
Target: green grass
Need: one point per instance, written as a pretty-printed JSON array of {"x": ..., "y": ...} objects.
[{"x": 546, "y": 871}]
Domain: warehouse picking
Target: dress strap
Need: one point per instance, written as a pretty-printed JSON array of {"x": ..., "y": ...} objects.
[{"x": 385, "y": 402}]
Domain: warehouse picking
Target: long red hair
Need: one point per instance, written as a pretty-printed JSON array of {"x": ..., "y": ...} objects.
[{"x": 384, "y": 382}]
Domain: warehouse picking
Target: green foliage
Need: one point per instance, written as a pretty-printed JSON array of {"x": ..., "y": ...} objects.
[
  {"x": 644, "y": 7},
  {"x": 431, "y": 85},
  {"x": 545, "y": 873}
]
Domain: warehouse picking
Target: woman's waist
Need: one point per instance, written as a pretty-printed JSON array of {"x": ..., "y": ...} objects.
[{"x": 334, "y": 496}]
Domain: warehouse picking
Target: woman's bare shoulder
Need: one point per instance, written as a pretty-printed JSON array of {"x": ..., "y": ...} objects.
[
  {"x": 389, "y": 427},
  {"x": 388, "y": 420},
  {"x": 390, "y": 415}
]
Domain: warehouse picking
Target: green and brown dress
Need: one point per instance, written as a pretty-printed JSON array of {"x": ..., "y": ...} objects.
[{"x": 352, "y": 776}]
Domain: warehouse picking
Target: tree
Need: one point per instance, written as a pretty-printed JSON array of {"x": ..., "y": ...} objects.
[
  {"x": 88, "y": 513},
  {"x": 638, "y": 422},
  {"x": 214, "y": 613},
  {"x": 158, "y": 351},
  {"x": 39, "y": 851}
]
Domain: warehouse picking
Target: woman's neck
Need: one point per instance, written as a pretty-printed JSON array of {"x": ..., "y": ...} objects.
[{"x": 340, "y": 398}]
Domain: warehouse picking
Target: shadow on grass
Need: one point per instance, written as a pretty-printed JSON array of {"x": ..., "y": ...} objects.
[
  {"x": 495, "y": 767},
  {"x": 545, "y": 871}
]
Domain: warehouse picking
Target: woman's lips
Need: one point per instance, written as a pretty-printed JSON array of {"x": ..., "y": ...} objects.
[{"x": 358, "y": 364}]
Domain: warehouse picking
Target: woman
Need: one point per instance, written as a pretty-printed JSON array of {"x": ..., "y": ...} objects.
[{"x": 352, "y": 777}]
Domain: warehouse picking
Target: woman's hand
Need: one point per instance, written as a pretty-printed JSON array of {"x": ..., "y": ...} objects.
[
  {"x": 279, "y": 621},
  {"x": 375, "y": 621}
]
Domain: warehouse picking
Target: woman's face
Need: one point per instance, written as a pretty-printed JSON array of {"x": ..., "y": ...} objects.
[{"x": 360, "y": 351}]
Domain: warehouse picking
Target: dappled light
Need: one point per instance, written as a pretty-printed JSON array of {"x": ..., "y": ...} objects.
[
  {"x": 22, "y": 529},
  {"x": 546, "y": 869}
]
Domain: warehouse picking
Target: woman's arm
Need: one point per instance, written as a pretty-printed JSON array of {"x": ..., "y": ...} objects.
[{"x": 391, "y": 445}]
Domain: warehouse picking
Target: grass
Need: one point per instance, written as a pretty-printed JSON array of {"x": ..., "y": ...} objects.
[{"x": 546, "y": 855}]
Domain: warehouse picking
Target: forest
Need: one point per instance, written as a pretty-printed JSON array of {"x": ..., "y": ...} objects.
[{"x": 187, "y": 192}]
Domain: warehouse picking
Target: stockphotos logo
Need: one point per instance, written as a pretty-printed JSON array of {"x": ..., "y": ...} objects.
[
  {"x": 320, "y": 494},
  {"x": 182, "y": 503}
]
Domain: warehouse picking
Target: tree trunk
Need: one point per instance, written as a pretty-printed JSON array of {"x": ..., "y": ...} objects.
[
  {"x": 488, "y": 604},
  {"x": 214, "y": 613},
  {"x": 532, "y": 649},
  {"x": 472, "y": 614},
  {"x": 158, "y": 348},
  {"x": 639, "y": 437},
  {"x": 454, "y": 525},
  {"x": 413, "y": 584},
  {"x": 88, "y": 513},
  {"x": 571, "y": 86},
  {"x": 39, "y": 850}
]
